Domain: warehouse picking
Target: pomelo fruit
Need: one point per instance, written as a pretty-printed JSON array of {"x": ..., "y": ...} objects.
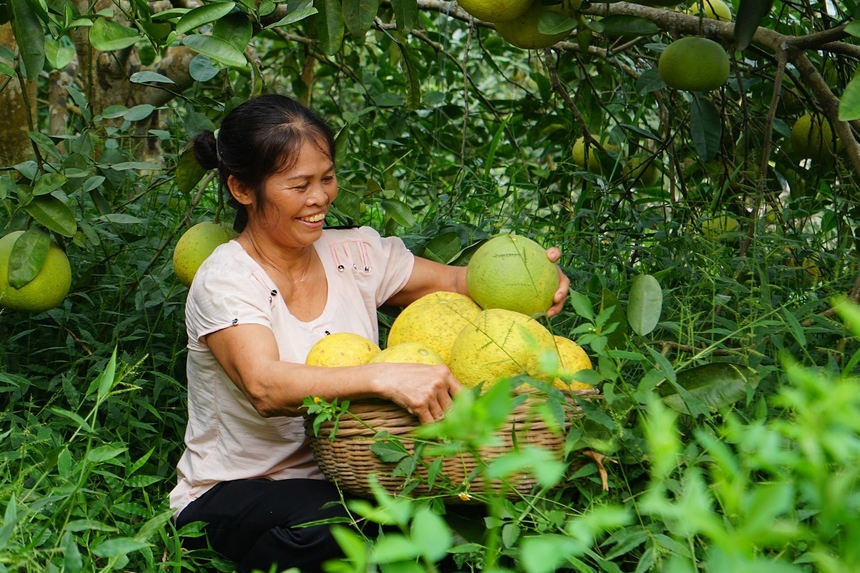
[
  {"x": 522, "y": 31},
  {"x": 195, "y": 245},
  {"x": 598, "y": 161},
  {"x": 694, "y": 64},
  {"x": 641, "y": 170},
  {"x": 495, "y": 10},
  {"x": 714, "y": 9},
  {"x": 435, "y": 320},
  {"x": 572, "y": 359},
  {"x": 46, "y": 291},
  {"x": 409, "y": 353},
  {"x": 499, "y": 344},
  {"x": 342, "y": 349},
  {"x": 512, "y": 272},
  {"x": 719, "y": 226},
  {"x": 812, "y": 137}
]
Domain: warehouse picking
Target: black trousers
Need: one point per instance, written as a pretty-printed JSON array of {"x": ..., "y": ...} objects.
[{"x": 253, "y": 523}]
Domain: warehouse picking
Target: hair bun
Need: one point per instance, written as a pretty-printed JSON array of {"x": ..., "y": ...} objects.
[{"x": 205, "y": 149}]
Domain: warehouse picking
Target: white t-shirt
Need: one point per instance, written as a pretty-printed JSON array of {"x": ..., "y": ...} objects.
[{"x": 226, "y": 439}]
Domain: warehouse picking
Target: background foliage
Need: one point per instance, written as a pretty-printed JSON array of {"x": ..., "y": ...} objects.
[{"x": 447, "y": 135}]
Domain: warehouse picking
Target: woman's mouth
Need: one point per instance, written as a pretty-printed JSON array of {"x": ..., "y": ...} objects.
[{"x": 313, "y": 218}]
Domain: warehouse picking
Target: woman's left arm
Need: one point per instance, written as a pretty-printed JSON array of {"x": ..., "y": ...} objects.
[{"x": 429, "y": 276}]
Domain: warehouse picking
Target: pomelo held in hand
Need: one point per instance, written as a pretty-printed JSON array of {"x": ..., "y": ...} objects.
[
  {"x": 46, "y": 291},
  {"x": 195, "y": 245},
  {"x": 342, "y": 349},
  {"x": 434, "y": 319},
  {"x": 694, "y": 64},
  {"x": 513, "y": 273}
]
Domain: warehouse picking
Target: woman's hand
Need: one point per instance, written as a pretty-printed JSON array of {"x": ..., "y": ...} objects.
[
  {"x": 423, "y": 390},
  {"x": 554, "y": 254}
]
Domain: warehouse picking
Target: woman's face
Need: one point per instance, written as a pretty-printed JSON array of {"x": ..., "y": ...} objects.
[{"x": 297, "y": 199}]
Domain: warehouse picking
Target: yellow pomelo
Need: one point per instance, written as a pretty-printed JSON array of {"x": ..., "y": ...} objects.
[
  {"x": 714, "y": 9},
  {"x": 598, "y": 161},
  {"x": 410, "y": 353},
  {"x": 513, "y": 273},
  {"x": 719, "y": 226},
  {"x": 694, "y": 64},
  {"x": 812, "y": 137},
  {"x": 195, "y": 245},
  {"x": 500, "y": 344},
  {"x": 435, "y": 320},
  {"x": 572, "y": 359},
  {"x": 342, "y": 349},
  {"x": 46, "y": 291},
  {"x": 495, "y": 10},
  {"x": 523, "y": 32}
]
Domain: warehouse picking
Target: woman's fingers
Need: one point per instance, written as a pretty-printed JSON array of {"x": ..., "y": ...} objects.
[{"x": 554, "y": 254}]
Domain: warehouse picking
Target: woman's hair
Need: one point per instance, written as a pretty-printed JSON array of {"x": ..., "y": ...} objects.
[{"x": 260, "y": 137}]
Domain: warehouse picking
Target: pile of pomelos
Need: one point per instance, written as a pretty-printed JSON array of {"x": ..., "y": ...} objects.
[{"x": 492, "y": 336}]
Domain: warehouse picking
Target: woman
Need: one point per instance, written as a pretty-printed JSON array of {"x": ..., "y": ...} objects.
[{"x": 255, "y": 308}]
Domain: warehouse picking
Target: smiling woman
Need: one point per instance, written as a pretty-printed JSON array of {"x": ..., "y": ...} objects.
[{"x": 256, "y": 307}]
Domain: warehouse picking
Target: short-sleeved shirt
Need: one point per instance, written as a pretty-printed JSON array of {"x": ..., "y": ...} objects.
[{"x": 226, "y": 439}]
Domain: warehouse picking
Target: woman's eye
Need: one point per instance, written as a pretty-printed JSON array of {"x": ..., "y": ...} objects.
[{"x": 328, "y": 179}]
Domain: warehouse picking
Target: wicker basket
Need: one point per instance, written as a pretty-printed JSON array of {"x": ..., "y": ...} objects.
[{"x": 347, "y": 460}]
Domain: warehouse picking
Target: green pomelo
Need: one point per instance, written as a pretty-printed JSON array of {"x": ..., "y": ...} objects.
[
  {"x": 513, "y": 273},
  {"x": 195, "y": 245},
  {"x": 46, "y": 291},
  {"x": 694, "y": 64}
]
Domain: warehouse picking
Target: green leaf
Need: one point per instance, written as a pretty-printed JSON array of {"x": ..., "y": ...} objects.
[
  {"x": 216, "y": 49},
  {"x": 188, "y": 171},
  {"x": 203, "y": 15},
  {"x": 853, "y": 28},
  {"x": 235, "y": 29},
  {"x": 104, "y": 453},
  {"x": 706, "y": 128},
  {"x": 552, "y": 23},
  {"x": 714, "y": 385},
  {"x": 398, "y": 211},
  {"x": 29, "y": 36},
  {"x": 118, "y": 547},
  {"x": 444, "y": 248},
  {"x": 413, "y": 83},
  {"x": 72, "y": 560},
  {"x": 10, "y": 521},
  {"x": 614, "y": 339},
  {"x": 106, "y": 378},
  {"x": 795, "y": 327},
  {"x": 750, "y": 15},
  {"x": 393, "y": 547},
  {"x": 431, "y": 534},
  {"x": 149, "y": 78},
  {"x": 329, "y": 26},
  {"x": 53, "y": 214},
  {"x": 628, "y": 26},
  {"x": 582, "y": 305},
  {"x": 49, "y": 183},
  {"x": 497, "y": 137},
  {"x": 405, "y": 14},
  {"x": 293, "y": 17},
  {"x": 108, "y": 36},
  {"x": 139, "y": 112},
  {"x": 28, "y": 256},
  {"x": 849, "y": 103},
  {"x": 644, "y": 305},
  {"x": 358, "y": 16},
  {"x": 154, "y": 525}
]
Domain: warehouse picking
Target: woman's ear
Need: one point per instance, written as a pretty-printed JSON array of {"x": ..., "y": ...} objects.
[{"x": 239, "y": 191}]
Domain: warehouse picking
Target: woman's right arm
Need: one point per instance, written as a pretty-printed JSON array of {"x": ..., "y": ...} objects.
[{"x": 249, "y": 355}]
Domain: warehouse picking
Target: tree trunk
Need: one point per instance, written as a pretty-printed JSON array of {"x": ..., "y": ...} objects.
[{"x": 15, "y": 145}]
